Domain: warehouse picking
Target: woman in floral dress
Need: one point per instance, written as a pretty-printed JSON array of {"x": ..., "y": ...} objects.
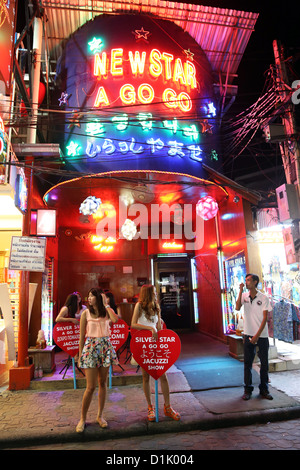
[{"x": 96, "y": 352}]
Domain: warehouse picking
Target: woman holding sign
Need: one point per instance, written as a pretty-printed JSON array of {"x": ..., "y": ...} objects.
[
  {"x": 96, "y": 352},
  {"x": 146, "y": 316}
]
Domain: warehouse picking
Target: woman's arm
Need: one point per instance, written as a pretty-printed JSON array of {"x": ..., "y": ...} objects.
[
  {"x": 136, "y": 325},
  {"x": 159, "y": 326},
  {"x": 111, "y": 313},
  {"x": 83, "y": 323},
  {"x": 63, "y": 316}
]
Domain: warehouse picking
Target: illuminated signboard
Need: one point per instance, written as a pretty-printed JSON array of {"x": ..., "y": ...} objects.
[
  {"x": 137, "y": 94},
  {"x": 3, "y": 152}
]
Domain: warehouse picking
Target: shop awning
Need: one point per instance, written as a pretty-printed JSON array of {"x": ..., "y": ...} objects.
[{"x": 222, "y": 33}]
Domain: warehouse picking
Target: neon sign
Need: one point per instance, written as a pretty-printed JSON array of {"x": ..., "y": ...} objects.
[
  {"x": 159, "y": 64},
  {"x": 104, "y": 245},
  {"x": 138, "y": 99},
  {"x": 107, "y": 146},
  {"x": 172, "y": 246}
]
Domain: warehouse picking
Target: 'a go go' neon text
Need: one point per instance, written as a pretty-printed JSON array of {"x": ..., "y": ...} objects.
[{"x": 156, "y": 64}]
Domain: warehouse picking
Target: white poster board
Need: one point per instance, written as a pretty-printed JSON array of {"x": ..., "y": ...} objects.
[{"x": 27, "y": 254}]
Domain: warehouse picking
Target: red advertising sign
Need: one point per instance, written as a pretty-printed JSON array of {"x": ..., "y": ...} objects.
[
  {"x": 66, "y": 336},
  {"x": 155, "y": 357},
  {"x": 119, "y": 333}
]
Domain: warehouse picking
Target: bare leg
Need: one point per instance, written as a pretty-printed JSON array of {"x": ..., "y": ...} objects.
[
  {"x": 165, "y": 389},
  {"x": 102, "y": 380},
  {"x": 91, "y": 382},
  {"x": 146, "y": 386}
]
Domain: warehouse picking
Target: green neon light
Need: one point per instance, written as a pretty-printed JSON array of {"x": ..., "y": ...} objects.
[
  {"x": 95, "y": 128},
  {"x": 73, "y": 149},
  {"x": 95, "y": 45}
]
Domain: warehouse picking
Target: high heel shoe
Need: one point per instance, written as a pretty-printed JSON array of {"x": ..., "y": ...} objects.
[{"x": 168, "y": 410}]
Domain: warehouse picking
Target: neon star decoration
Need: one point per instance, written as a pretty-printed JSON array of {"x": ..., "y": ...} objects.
[
  {"x": 141, "y": 34},
  {"x": 74, "y": 120},
  {"x": 214, "y": 155},
  {"x": 189, "y": 54},
  {"x": 73, "y": 149},
  {"x": 63, "y": 98},
  {"x": 95, "y": 45},
  {"x": 206, "y": 127},
  {"x": 211, "y": 109}
]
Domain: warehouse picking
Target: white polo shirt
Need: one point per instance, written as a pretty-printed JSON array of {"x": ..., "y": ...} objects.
[{"x": 253, "y": 313}]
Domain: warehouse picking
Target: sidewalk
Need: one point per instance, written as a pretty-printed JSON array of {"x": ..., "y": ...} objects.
[{"x": 50, "y": 416}]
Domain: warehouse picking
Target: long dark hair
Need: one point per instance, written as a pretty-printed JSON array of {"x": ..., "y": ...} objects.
[
  {"x": 99, "y": 302},
  {"x": 72, "y": 304},
  {"x": 80, "y": 303},
  {"x": 112, "y": 302}
]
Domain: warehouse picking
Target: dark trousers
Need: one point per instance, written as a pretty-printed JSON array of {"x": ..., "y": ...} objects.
[{"x": 263, "y": 354}]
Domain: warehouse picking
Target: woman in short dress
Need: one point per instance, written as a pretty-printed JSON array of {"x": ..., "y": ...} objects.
[
  {"x": 146, "y": 316},
  {"x": 96, "y": 352}
]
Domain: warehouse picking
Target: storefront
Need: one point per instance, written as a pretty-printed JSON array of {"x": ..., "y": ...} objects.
[
  {"x": 281, "y": 276},
  {"x": 13, "y": 202},
  {"x": 136, "y": 188},
  {"x": 138, "y": 125}
]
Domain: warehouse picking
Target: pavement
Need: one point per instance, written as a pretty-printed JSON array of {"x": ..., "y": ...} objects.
[{"x": 49, "y": 411}]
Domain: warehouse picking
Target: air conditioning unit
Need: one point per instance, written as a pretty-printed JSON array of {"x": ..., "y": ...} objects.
[{"x": 288, "y": 203}]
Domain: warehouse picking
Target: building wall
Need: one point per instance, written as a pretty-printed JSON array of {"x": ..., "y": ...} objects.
[
  {"x": 209, "y": 293},
  {"x": 81, "y": 267},
  {"x": 229, "y": 226}
]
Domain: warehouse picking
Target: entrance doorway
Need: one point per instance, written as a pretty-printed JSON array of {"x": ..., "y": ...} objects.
[{"x": 172, "y": 278}]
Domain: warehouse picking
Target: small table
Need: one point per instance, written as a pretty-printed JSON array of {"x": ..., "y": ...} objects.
[
  {"x": 44, "y": 358},
  {"x": 236, "y": 347}
]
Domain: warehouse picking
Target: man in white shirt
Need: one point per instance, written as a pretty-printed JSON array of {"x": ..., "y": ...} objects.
[{"x": 256, "y": 307}]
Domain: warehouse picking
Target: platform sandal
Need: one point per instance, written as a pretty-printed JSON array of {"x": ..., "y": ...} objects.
[
  {"x": 151, "y": 413},
  {"x": 168, "y": 410}
]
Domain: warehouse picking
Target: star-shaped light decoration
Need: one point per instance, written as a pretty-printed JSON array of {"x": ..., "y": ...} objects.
[
  {"x": 141, "y": 34},
  {"x": 72, "y": 149},
  {"x": 95, "y": 45},
  {"x": 211, "y": 109},
  {"x": 214, "y": 155},
  {"x": 74, "y": 119},
  {"x": 63, "y": 98},
  {"x": 206, "y": 127},
  {"x": 189, "y": 54}
]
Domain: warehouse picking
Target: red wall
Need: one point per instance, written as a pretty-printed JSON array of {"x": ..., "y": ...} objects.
[
  {"x": 232, "y": 238},
  {"x": 81, "y": 267}
]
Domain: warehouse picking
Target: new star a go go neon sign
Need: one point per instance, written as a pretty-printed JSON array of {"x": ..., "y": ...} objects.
[
  {"x": 155, "y": 63},
  {"x": 141, "y": 103}
]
